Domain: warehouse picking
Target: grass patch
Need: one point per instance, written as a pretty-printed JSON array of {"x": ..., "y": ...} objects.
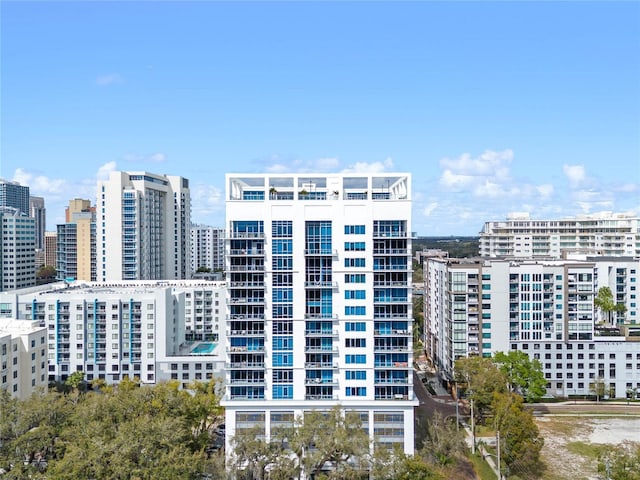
[
  {"x": 482, "y": 468},
  {"x": 587, "y": 450},
  {"x": 484, "y": 431},
  {"x": 560, "y": 426}
]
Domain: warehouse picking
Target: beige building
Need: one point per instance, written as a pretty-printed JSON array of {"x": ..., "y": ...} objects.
[
  {"x": 23, "y": 349},
  {"x": 76, "y": 242}
]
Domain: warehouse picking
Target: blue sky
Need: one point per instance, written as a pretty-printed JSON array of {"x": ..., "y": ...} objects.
[{"x": 493, "y": 107}]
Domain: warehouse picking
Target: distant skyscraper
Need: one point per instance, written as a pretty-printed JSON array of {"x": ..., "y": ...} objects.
[
  {"x": 14, "y": 195},
  {"x": 144, "y": 222},
  {"x": 39, "y": 213},
  {"x": 17, "y": 249},
  {"x": 207, "y": 247},
  {"x": 50, "y": 248},
  {"x": 76, "y": 242}
]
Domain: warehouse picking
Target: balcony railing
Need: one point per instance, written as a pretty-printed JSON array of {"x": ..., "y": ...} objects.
[{"x": 244, "y": 365}]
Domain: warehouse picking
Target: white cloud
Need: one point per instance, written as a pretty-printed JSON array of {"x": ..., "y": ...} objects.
[
  {"x": 109, "y": 79},
  {"x": 40, "y": 184},
  {"x": 429, "y": 209},
  {"x": 489, "y": 163},
  {"x": 575, "y": 174},
  {"x": 545, "y": 190},
  {"x": 486, "y": 174},
  {"x": 104, "y": 171},
  {"x": 205, "y": 201},
  {"x": 375, "y": 167}
]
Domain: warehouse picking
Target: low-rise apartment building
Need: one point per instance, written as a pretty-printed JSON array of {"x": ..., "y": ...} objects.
[
  {"x": 23, "y": 353},
  {"x": 152, "y": 330}
]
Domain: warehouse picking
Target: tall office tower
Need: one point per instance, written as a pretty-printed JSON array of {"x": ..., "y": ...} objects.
[
  {"x": 207, "y": 247},
  {"x": 605, "y": 233},
  {"x": 17, "y": 249},
  {"x": 144, "y": 222},
  {"x": 76, "y": 242},
  {"x": 544, "y": 308},
  {"x": 320, "y": 307},
  {"x": 50, "y": 248},
  {"x": 14, "y": 195},
  {"x": 39, "y": 213}
]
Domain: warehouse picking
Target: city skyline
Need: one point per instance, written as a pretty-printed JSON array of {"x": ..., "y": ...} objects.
[{"x": 492, "y": 107}]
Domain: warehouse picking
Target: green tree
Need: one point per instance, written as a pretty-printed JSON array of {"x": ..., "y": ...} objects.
[
  {"x": 418, "y": 318},
  {"x": 621, "y": 462},
  {"x": 118, "y": 433},
  {"x": 481, "y": 378},
  {"x": 46, "y": 272},
  {"x": 203, "y": 269},
  {"x": 76, "y": 381},
  {"x": 524, "y": 376},
  {"x": 520, "y": 440},
  {"x": 605, "y": 302},
  {"x": 444, "y": 442},
  {"x": 334, "y": 437},
  {"x": 253, "y": 455},
  {"x": 598, "y": 388}
]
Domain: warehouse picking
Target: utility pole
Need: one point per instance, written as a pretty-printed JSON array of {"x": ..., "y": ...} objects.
[
  {"x": 498, "y": 447},
  {"x": 473, "y": 431}
]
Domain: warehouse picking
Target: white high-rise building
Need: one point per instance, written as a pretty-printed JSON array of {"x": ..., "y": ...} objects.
[
  {"x": 207, "y": 247},
  {"x": 605, "y": 233},
  {"x": 143, "y": 225},
  {"x": 39, "y": 213},
  {"x": 320, "y": 307}
]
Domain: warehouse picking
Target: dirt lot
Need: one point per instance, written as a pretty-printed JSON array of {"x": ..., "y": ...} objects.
[{"x": 572, "y": 443}]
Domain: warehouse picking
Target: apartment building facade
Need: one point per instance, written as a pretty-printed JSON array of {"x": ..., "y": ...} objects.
[
  {"x": 76, "y": 243},
  {"x": 112, "y": 331},
  {"x": 542, "y": 307},
  {"x": 17, "y": 249},
  {"x": 605, "y": 233},
  {"x": 23, "y": 353},
  {"x": 143, "y": 227},
  {"x": 319, "y": 301},
  {"x": 207, "y": 247}
]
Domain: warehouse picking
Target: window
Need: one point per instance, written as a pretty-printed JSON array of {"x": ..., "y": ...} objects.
[
  {"x": 354, "y": 262},
  {"x": 356, "y": 374},
  {"x": 355, "y": 278},
  {"x": 354, "y": 246},
  {"x": 356, "y": 310},
  {"x": 282, "y": 391},
  {"x": 355, "y": 342},
  {"x": 356, "y": 391},
  {"x": 354, "y": 229},
  {"x": 355, "y": 326},
  {"x": 357, "y": 359},
  {"x": 355, "y": 294},
  {"x": 283, "y": 360}
]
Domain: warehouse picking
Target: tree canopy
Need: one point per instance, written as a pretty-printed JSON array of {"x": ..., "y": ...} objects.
[
  {"x": 524, "y": 376},
  {"x": 480, "y": 378},
  {"x": 121, "y": 432},
  {"x": 605, "y": 302}
]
